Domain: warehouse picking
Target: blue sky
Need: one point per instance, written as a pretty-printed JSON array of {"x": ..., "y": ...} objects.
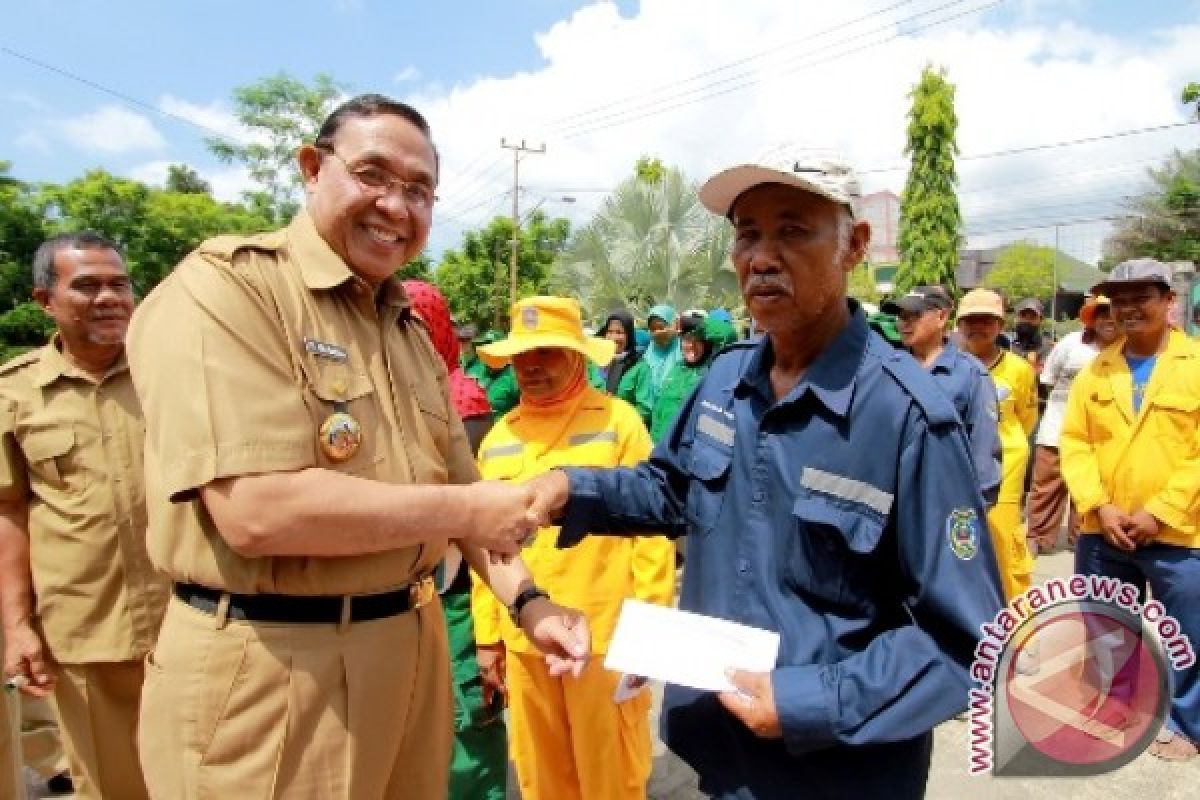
[{"x": 1028, "y": 72}]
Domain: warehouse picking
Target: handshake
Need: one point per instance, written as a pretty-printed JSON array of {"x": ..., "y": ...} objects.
[{"x": 502, "y": 517}]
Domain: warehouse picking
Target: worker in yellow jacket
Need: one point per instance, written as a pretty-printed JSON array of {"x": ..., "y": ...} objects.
[
  {"x": 980, "y": 320},
  {"x": 1130, "y": 452},
  {"x": 568, "y": 738}
]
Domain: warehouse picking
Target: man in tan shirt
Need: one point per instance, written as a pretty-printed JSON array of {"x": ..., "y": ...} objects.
[
  {"x": 81, "y": 602},
  {"x": 305, "y": 470}
]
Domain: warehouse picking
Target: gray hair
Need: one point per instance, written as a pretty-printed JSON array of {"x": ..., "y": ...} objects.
[
  {"x": 44, "y": 273},
  {"x": 845, "y": 231}
]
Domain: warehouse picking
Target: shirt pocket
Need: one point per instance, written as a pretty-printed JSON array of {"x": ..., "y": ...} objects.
[
  {"x": 832, "y": 551},
  {"x": 351, "y": 393},
  {"x": 1175, "y": 418},
  {"x": 53, "y": 459},
  {"x": 709, "y": 467}
]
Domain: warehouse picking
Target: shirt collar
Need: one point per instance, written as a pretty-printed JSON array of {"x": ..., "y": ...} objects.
[
  {"x": 947, "y": 359},
  {"x": 830, "y": 378},
  {"x": 52, "y": 365},
  {"x": 322, "y": 268}
]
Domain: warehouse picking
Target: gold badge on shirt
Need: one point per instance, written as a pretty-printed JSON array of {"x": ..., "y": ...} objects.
[{"x": 340, "y": 436}]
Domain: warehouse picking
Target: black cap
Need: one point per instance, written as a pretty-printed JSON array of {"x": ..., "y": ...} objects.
[{"x": 918, "y": 300}]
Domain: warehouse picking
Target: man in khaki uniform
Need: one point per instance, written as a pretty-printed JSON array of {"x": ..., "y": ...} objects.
[
  {"x": 304, "y": 474},
  {"x": 81, "y": 601}
]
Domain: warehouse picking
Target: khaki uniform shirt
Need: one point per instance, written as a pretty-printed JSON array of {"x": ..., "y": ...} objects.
[
  {"x": 239, "y": 356},
  {"x": 72, "y": 450}
]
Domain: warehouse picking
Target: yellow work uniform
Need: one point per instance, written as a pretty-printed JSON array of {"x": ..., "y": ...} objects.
[
  {"x": 72, "y": 451},
  {"x": 239, "y": 357},
  {"x": 569, "y": 741},
  {"x": 1017, "y": 405},
  {"x": 1137, "y": 461}
]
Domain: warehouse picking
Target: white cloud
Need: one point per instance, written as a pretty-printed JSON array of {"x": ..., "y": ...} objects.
[
  {"x": 111, "y": 129},
  {"x": 28, "y": 100},
  {"x": 1016, "y": 87},
  {"x": 33, "y": 140},
  {"x": 215, "y": 118},
  {"x": 227, "y": 183},
  {"x": 409, "y": 73}
]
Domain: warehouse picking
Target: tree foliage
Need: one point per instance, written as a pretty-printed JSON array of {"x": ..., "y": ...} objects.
[
  {"x": 282, "y": 113},
  {"x": 155, "y": 228},
  {"x": 930, "y": 220},
  {"x": 185, "y": 180},
  {"x": 1191, "y": 95},
  {"x": 1164, "y": 222},
  {"x": 475, "y": 277},
  {"x": 651, "y": 242},
  {"x": 1023, "y": 270},
  {"x": 861, "y": 284}
]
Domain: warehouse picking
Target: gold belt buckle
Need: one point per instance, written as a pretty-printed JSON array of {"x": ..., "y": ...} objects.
[{"x": 421, "y": 592}]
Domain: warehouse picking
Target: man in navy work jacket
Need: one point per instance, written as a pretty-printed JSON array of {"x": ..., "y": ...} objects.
[
  {"x": 827, "y": 487},
  {"x": 922, "y": 314}
]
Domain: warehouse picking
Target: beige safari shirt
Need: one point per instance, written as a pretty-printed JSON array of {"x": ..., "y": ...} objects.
[
  {"x": 239, "y": 356},
  {"x": 72, "y": 450}
]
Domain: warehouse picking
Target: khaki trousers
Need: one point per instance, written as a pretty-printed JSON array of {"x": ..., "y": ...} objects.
[
  {"x": 1048, "y": 501},
  {"x": 320, "y": 712},
  {"x": 569, "y": 740},
  {"x": 97, "y": 707}
]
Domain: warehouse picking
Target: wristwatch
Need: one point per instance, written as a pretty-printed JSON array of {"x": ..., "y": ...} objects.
[{"x": 523, "y": 598}]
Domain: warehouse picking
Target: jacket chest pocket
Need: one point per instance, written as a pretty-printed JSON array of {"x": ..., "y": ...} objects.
[
  {"x": 831, "y": 555},
  {"x": 55, "y": 459},
  {"x": 709, "y": 468},
  {"x": 1175, "y": 417}
]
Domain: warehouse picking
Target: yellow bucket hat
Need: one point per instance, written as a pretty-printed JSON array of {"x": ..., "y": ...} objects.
[{"x": 546, "y": 322}]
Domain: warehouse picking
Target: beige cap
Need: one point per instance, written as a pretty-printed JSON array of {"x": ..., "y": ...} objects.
[
  {"x": 820, "y": 172},
  {"x": 981, "y": 301}
]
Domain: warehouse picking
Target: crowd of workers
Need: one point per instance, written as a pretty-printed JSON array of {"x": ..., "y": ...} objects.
[{"x": 289, "y": 531}]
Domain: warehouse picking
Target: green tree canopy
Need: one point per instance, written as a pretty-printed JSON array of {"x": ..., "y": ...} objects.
[
  {"x": 282, "y": 113},
  {"x": 155, "y": 228},
  {"x": 185, "y": 180},
  {"x": 475, "y": 277},
  {"x": 1023, "y": 270},
  {"x": 21, "y": 231},
  {"x": 1191, "y": 95},
  {"x": 930, "y": 220},
  {"x": 1164, "y": 222}
]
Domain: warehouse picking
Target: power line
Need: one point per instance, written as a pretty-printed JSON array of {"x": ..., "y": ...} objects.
[
  {"x": 1051, "y": 145},
  {"x": 122, "y": 96},
  {"x": 559, "y": 121},
  {"x": 655, "y": 109}
]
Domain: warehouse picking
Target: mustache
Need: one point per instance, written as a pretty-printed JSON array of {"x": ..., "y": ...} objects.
[{"x": 767, "y": 282}]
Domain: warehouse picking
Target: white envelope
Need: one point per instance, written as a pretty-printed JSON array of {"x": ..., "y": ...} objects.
[{"x": 687, "y": 649}]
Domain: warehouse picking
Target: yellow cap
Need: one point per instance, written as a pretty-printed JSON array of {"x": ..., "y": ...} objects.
[
  {"x": 546, "y": 322},
  {"x": 980, "y": 302}
]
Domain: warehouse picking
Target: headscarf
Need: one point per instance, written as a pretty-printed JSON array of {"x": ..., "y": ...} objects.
[
  {"x": 570, "y": 390},
  {"x": 427, "y": 302},
  {"x": 658, "y": 358}
]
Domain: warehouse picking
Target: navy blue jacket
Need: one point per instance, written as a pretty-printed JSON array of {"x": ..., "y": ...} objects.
[
  {"x": 847, "y": 517},
  {"x": 966, "y": 381}
]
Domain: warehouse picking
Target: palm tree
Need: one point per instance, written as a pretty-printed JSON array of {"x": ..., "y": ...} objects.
[{"x": 651, "y": 242}]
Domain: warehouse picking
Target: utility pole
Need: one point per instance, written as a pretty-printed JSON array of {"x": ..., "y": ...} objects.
[
  {"x": 1054, "y": 288},
  {"x": 517, "y": 149}
]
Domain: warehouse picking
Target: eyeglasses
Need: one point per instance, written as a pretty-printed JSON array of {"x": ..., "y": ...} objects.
[{"x": 377, "y": 181}]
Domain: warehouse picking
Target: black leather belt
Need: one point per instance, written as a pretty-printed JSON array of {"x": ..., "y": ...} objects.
[{"x": 308, "y": 609}]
